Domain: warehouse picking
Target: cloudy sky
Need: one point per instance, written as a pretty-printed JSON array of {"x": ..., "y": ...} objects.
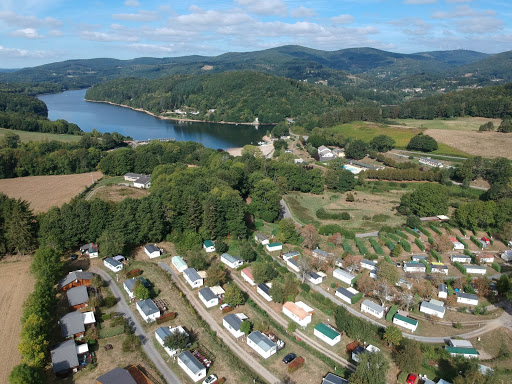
[{"x": 34, "y": 32}]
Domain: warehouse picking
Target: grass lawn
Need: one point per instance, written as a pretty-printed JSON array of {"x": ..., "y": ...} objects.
[
  {"x": 459, "y": 123},
  {"x": 26, "y": 136}
]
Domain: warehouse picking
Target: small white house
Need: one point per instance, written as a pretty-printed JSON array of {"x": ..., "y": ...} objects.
[
  {"x": 432, "y": 309},
  {"x": 343, "y": 275},
  {"x": 193, "y": 278},
  {"x": 192, "y": 367},
  {"x": 143, "y": 182},
  {"x": 163, "y": 332},
  {"x": 232, "y": 322},
  {"x": 209, "y": 246},
  {"x": 179, "y": 263},
  {"x": 264, "y": 290},
  {"x": 414, "y": 267},
  {"x": 419, "y": 258},
  {"x": 485, "y": 258},
  {"x": 231, "y": 261},
  {"x": 462, "y": 348},
  {"x": 293, "y": 264},
  {"x": 372, "y": 308},
  {"x": 272, "y": 247},
  {"x": 442, "y": 291},
  {"x": 315, "y": 277},
  {"x": 261, "y": 238},
  {"x": 247, "y": 276},
  {"x": 129, "y": 285},
  {"x": 290, "y": 255},
  {"x": 326, "y": 333},
  {"x": 368, "y": 264},
  {"x": 90, "y": 249},
  {"x": 148, "y": 310},
  {"x": 475, "y": 269},
  {"x": 261, "y": 344},
  {"x": 405, "y": 322},
  {"x": 346, "y": 294},
  {"x": 208, "y": 298},
  {"x": 439, "y": 268},
  {"x": 457, "y": 246},
  {"x": 113, "y": 265},
  {"x": 460, "y": 258},
  {"x": 152, "y": 251},
  {"x": 299, "y": 312},
  {"x": 467, "y": 298}
]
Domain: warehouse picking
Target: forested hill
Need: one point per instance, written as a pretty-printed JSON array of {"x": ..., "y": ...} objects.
[{"x": 238, "y": 96}]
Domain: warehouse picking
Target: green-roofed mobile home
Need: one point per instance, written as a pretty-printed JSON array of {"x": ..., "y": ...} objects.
[
  {"x": 405, "y": 322},
  {"x": 459, "y": 351},
  {"x": 274, "y": 247},
  {"x": 327, "y": 334},
  {"x": 209, "y": 246}
]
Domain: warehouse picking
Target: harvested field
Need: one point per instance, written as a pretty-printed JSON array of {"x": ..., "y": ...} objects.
[
  {"x": 118, "y": 193},
  {"x": 460, "y": 123},
  {"x": 15, "y": 285},
  {"x": 44, "y": 192},
  {"x": 486, "y": 144}
]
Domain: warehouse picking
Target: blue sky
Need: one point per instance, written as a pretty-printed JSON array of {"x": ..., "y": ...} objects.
[{"x": 34, "y": 32}]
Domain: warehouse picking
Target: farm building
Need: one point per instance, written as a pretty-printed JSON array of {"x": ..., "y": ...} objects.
[
  {"x": 262, "y": 239},
  {"x": 432, "y": 309},
  {"x": 346, "y": 294},
  {"x": 112, "y": 264},
  {"x": 232, "y": 322},
  {"x": 73, "y": 324},
  {"x": 442, "y": 291},
  {"x": 343, "y": 275},
  {"x": 414, "y": 267},
  {"x": 368, "y": 264},
  {"x": 264, "y": 290},
  {"x": 247, "y": 276},
  {"x": 208, "y": 298},
  {"x": 78, "y": 297},
  {"x": 193, "y": 278},
  {"x": 475, "y": 269},
  {"x": 179, "y": 263},
  {"x": 467, "y": 298},
  {"x": 405, "y": 322},
  {"x": 299, "y": 312},
  {"x": 334, "y": 379},
  {"x": 231, "y": 261},
  {"x": 460, "y": 258},
  {"x": 65, "y": 357},
  {"x": 327, "y": 334},
  {"x": 325, "y": 154},
  {"x": 261, "y": 344},
  {"x": 129, "y": 285},
  {"x": 162, "y": 333},
  {"x": 293, "y": 264},
  {"x": 419, "y": 258},
  {"x": 208, "y": 246},
  {"x": 273, "y": 247},
  {"x": 148, "y": 310},
  {"x": 90, "y": 249},
  {"x": 372, "y": 308},
  {"x": 192, "y": 367},
  {"x": 290, "y": 255},
  {"x": 439, "y": 268},
  {"x": 315, "y": 277},
  {"x": 485, "y": 258},
  {"x": 152, "y": 251},
  {"x": 75, "y": 279},
  {"x": 117, "y": 375}
]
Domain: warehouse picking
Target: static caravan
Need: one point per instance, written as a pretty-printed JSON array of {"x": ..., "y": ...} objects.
[
  {"x": 315, "y": 278},
  {"x": 299, "y": 312},
  {"x": 163, "y": 332},
  {"x": 414, "y": 267},
  {"x": 208, "y": 246},
  {"x": 442, "y": 291},
  {"x": 346, "y": 294},
  {"x": 261, "y": 344},
  {"x": 467, "y": 298},
  {"x": 432, "y": 309},
  {"x": 405, "y": 322},
  {"x": 261, "y": 238},
  {"x": 231, "y": 261},
  {"x": 152, "y": 251},
  {"x": 293, "y": 264},
  {"x": 273, "y": 247},
  {"x": 460, "y": 258},
  {"x": 247, "y": 276},
  {"x": 208, "y": 298},
  {"x": 148, "y": 310},
  {"x": 193, "y": 278},
  {"x": 343, "y": 275},
  {"x": 290, "y": 255},
  {"x": 372, "y": 308},
  {"x": 179, "y": 263},
  {"x": 326, "y": 333},
  {"x": 368, "y": 264},
  {"x": 114, "y": 265},
  {"x": 475, "y": 269},
  {"x": 232, "y": 322},
  {"x": 192, "y": 367},
  {"x": 264, "y": 290}
]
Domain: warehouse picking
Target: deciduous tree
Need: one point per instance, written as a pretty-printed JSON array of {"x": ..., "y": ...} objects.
[{"x": 309, "y": 236}]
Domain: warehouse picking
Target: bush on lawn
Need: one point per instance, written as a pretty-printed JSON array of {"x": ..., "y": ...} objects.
[
  {"x": 296, "y": 364},
  {"x": 166, "y": 317}
]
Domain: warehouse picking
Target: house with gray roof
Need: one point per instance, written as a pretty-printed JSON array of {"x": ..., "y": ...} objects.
[
  {"x": 163, "y": 332},
  {"x": 192, "y": 367},
  {"x": 116, "y": 376},
  {"x": 208, "y": 298},
  {"x": 264, "y": 290},
  {"x": 64, "y": 357},
  {"x": 289, "y": 255},
  {"x": 232, "y": 322},
  {"x": 112, "y": 264},
  {"x": 320, "y": 254},
  {"x": 372, "y": 308},
  {"x": 261, "y": 238},
  {"x": 75, "y": 279},
  {"x": 315, "y": 277},
  {"x": 475, "y": 269},
  {"x": 442, "y": 291},
  {"x": 152, "y": 251},
  {"x": 368, "y": 264},
  {"x": 78, "y": 297},
  {"x": 261, "y": 344},
  {"x": 293, "y": 264},
  {"x": 467, "y": 298},
  {"x": 231, "y": 261},
  {"x": 193, "y": 278},
  {"x": 73, "y": 324},
  {"x": 346, "y": 294},
  {"x": 129, "y": 285},
  {"x": 148, "y": 310},
  {"x": 331, "y": 378},
  {"x": 143, "y": 182},
  {"x": 432, "y": 309},
  {"x": 343, "y": 275}
]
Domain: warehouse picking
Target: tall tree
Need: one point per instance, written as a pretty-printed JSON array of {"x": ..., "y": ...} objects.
[
  {"x": 234, "y": 295},
  {"x": 20, "y": 234},
  {"x": 372, "y": 369},
  {"x": 309, "y": 236}
]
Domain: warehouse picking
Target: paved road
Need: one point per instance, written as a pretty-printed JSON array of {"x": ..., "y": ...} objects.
[
  {"x": 276, "y": 316},
  {"x": 221, "y": 332},
  {"x": 147, "y": 343},
  {"x": 285, "y": 212}
]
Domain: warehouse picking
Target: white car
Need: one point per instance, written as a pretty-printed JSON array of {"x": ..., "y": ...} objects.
[
  {"x": 210, "y": 379},
  {"x": 223, "y": 306}
]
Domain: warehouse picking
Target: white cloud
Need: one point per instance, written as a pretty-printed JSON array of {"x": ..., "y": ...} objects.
[
  {"x": 479, "y": 25},
  {"x": 16, "y": 52},
  {"x": 154, "y": 49},
  {"x": 342, "y": 19},
  {"x": 303, "y": 12},
  {"x": 462, "y": 11},
  {"x": 28, "y": 33},
  {"x": 416, "y": 2},
  {"x": 200, "y": 19},
  {"x": 131, "y": 3},
  {"x": 55, "y": 33},
  {"x": 16, "y": 20},
  {"x": 141, "y": 16},
  {"x": 413, "y": 26},
  {"x": 265, "y": 7},
  {"x": 106, "y": 37}
]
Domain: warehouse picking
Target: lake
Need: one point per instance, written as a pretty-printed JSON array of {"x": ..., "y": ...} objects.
[{"x": 71, "y": 106}]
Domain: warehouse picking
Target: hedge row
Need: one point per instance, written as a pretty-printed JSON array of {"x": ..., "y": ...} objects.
[
  {"x": 431, "y": 240},
  {"x": 356, "y": 298},
  {"x": 134, "y": 273},
  {"x": 476, "y": 241},
  {"x": 412, "y": 232},
  {"x": 393, "y": 237},
  {"x": 463, "y": 231},
  {"x": 392, "y": 311},
  {"x": 460, "y": 267},
  {"x": 405, "y": 245},
  {"x": 297, "y": 363},
  {"x": 362, "y": 248},
  {"x": 461, "y": 240},
  {"x": 427, "y": 266},
  {"x": 168, "y": 316},
  {"x": 347, "y": 247},
  {"x": 376, "y": 246},
  {"x": 496, "y": 267},
  {"x": 423, "y": 230},
  {"x": 390, "y": 245},
  {"x": 436, "y": 255},
  {"x": 388, "y": 259},
  {"x": 436, "y": 230},
  {"x": 401, "y": 234},
  {"x": 419, "y": 244}
]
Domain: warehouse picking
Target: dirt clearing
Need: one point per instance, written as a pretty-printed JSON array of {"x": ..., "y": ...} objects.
[
  {"x": 44, "y": 192},
  {"x": 118, "y": 193},
  {"x": 485, "y": 144},
  {"x": 15, "y": 285}
]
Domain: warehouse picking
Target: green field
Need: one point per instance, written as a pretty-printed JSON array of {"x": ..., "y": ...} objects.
[
  {"x": 458, "y": 124},
  {"x": 26, "y": 136}
]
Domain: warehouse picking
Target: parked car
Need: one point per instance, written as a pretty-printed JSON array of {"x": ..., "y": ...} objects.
[
  {"x": 412, "y": 378},
  {"x": 210, "y": 379},
  {"x": 398, "y": 265},
  {"x": 289, "y": 358},
  {"x": 74, "y": 257},
  {"x": 223, "y": 306}
]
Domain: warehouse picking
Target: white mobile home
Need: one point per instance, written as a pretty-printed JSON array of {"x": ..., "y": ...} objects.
[
  {"x": 208, "y": 298},
  {"x": 208, "y": 246},
  {"x": 327, "y": 334},
  {"x": 293, "y": 264},
  {"x": 113, "y": 265},
  {"x": 346, "y": 294},
  {"x": 261, "y": 238},
  {"x": 163, "y": 332},
  {"x": 232, "y": 322},
  {"x": 368, "y": 264},
  {"x": 475, "y": 269},
  {"x": 231, "y": 261},
  {"x": 261, "y": 344},
  {"x": 460, "y": 258},
  {"x": 179, "y": 263},
  {"x": 343, "y": 275},
  {"x": 264, "y": 290},
  {"x": 468, "y": 353},
  {"x": 442, "y": 291},
  {"x": 372, "y": 308},
  {"x": 315, "y": 278},
  {"x": 247, "y": 276},
  {"x": 272, "y": 247},
  {"x": 405, "y": 322},
  {"x": 129, "y": 285},
  {"x": 152, "y": 251},
  {"x": 467, "y": 298},
  {"x": 148, "y": 310},
  {"x": 193, "y": 367},
  {"x": 414, "y": 267},
  {"x": 432, "y": 309},
  {"x": 298, "y": 312},
  {"x": 290, "y": 255},
  {"x": 439, "y": 268},
  {"x": 419, "y": 258},
  {"x": 485, "y": 258},
  {"x": 193, "y": 278}
]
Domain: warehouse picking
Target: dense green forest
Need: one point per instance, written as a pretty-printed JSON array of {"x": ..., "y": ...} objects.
[{"x": 235, "y": 96}]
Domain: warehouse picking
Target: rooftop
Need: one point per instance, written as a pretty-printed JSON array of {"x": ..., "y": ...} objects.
[
  {"x": 230, "y": 258},
  {"x": 207, "y": 294},
  {"x": 112, "y": 262},
  {"x": 467, "y": 296},
  {"x": 116, "y": 376},
  {"x": 148, "y": 307},
  {"x": 152, "y": 248},
  {"x": 77, "y": 275},
  {"x": 370, "y": 304},
  {"x": 327, "y": 331},
  {"x": 191, "y": 362},
  {"x": 71, "y": 324},
  {"x": 296, "y": 310},
  {"x": 64, "y": 356},
  {"x": 262, "y": 341},
  {"x": 461, "y": 351},
  {"x": 77, "y": 295},
  {"x": 406, "y": 319},
  {"x": 247, "y": 271},
  {"x": 234, "y": 321},
  {"x": 433, "y": 307},
  {"x": 192, "y": 274},
  {"x": 208, "y": 243}
]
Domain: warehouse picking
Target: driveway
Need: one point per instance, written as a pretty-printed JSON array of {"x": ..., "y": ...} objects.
[
  {"x": 147, "y": 343},
  {"x": 285, "y": 212},
  {"x": 228, "y": 339}
]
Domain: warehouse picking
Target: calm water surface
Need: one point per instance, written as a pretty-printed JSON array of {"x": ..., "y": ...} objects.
[{"x": 71, "y": 106}]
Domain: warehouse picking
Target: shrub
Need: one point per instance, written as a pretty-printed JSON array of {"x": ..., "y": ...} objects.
[
  {"x": 419, "y": 244},
  {"x": 292, "y": 326},
  {"x": 333, "y": 285},
  {"x": 390, "y": 245},
  {"x": 463, "y": 231},
  {"x": 345, "y": 216},
  {"x": 388, "y": 259},
  {"x": 362, "y": 248},
  {"x": 423, "y": 230},
  {"x": 109, "y": 301},
  {"x": 305, "y": 287},
  {"x": 436, "y": 230},
  {"x": 347, "y": 247},
  {"x": 324, "y": 215},
  {"x": 296, "y": 364},
  {"x": 166, "y": 317},
  {"x": 134, "y": 273},
  {"x": 329, "y": 229},
  {"x": 461, "y": 240},
  {"x": 458, "y": 325},
  {"x": 496, "y": 267},
  {"x": 106, "y": 316},
  {"x": 460, "y": 267},
  {"x": 392, "y": 311},
  {"x": 431, "y": 240},
  {"x": 412, "y": 232},
  {"x": 405, "y": 245},
  {"x": 356, "y": 298},
  {"x": 401, "y": 234},
  {"x": 436, "y": 255},
  {"x": 476, "y": 241},
  {"x": 376, "y": 246},
  {"x": 394, "y": 237}
]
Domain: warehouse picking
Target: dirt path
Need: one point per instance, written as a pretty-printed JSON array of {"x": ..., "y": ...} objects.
[{"x": 221, "y": 332}]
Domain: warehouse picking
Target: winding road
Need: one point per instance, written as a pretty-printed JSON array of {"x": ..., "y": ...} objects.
[{"x": 147, "y": 344}]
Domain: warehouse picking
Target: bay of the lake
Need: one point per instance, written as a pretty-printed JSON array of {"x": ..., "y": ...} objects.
[{"x": 71, "y": 106}]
